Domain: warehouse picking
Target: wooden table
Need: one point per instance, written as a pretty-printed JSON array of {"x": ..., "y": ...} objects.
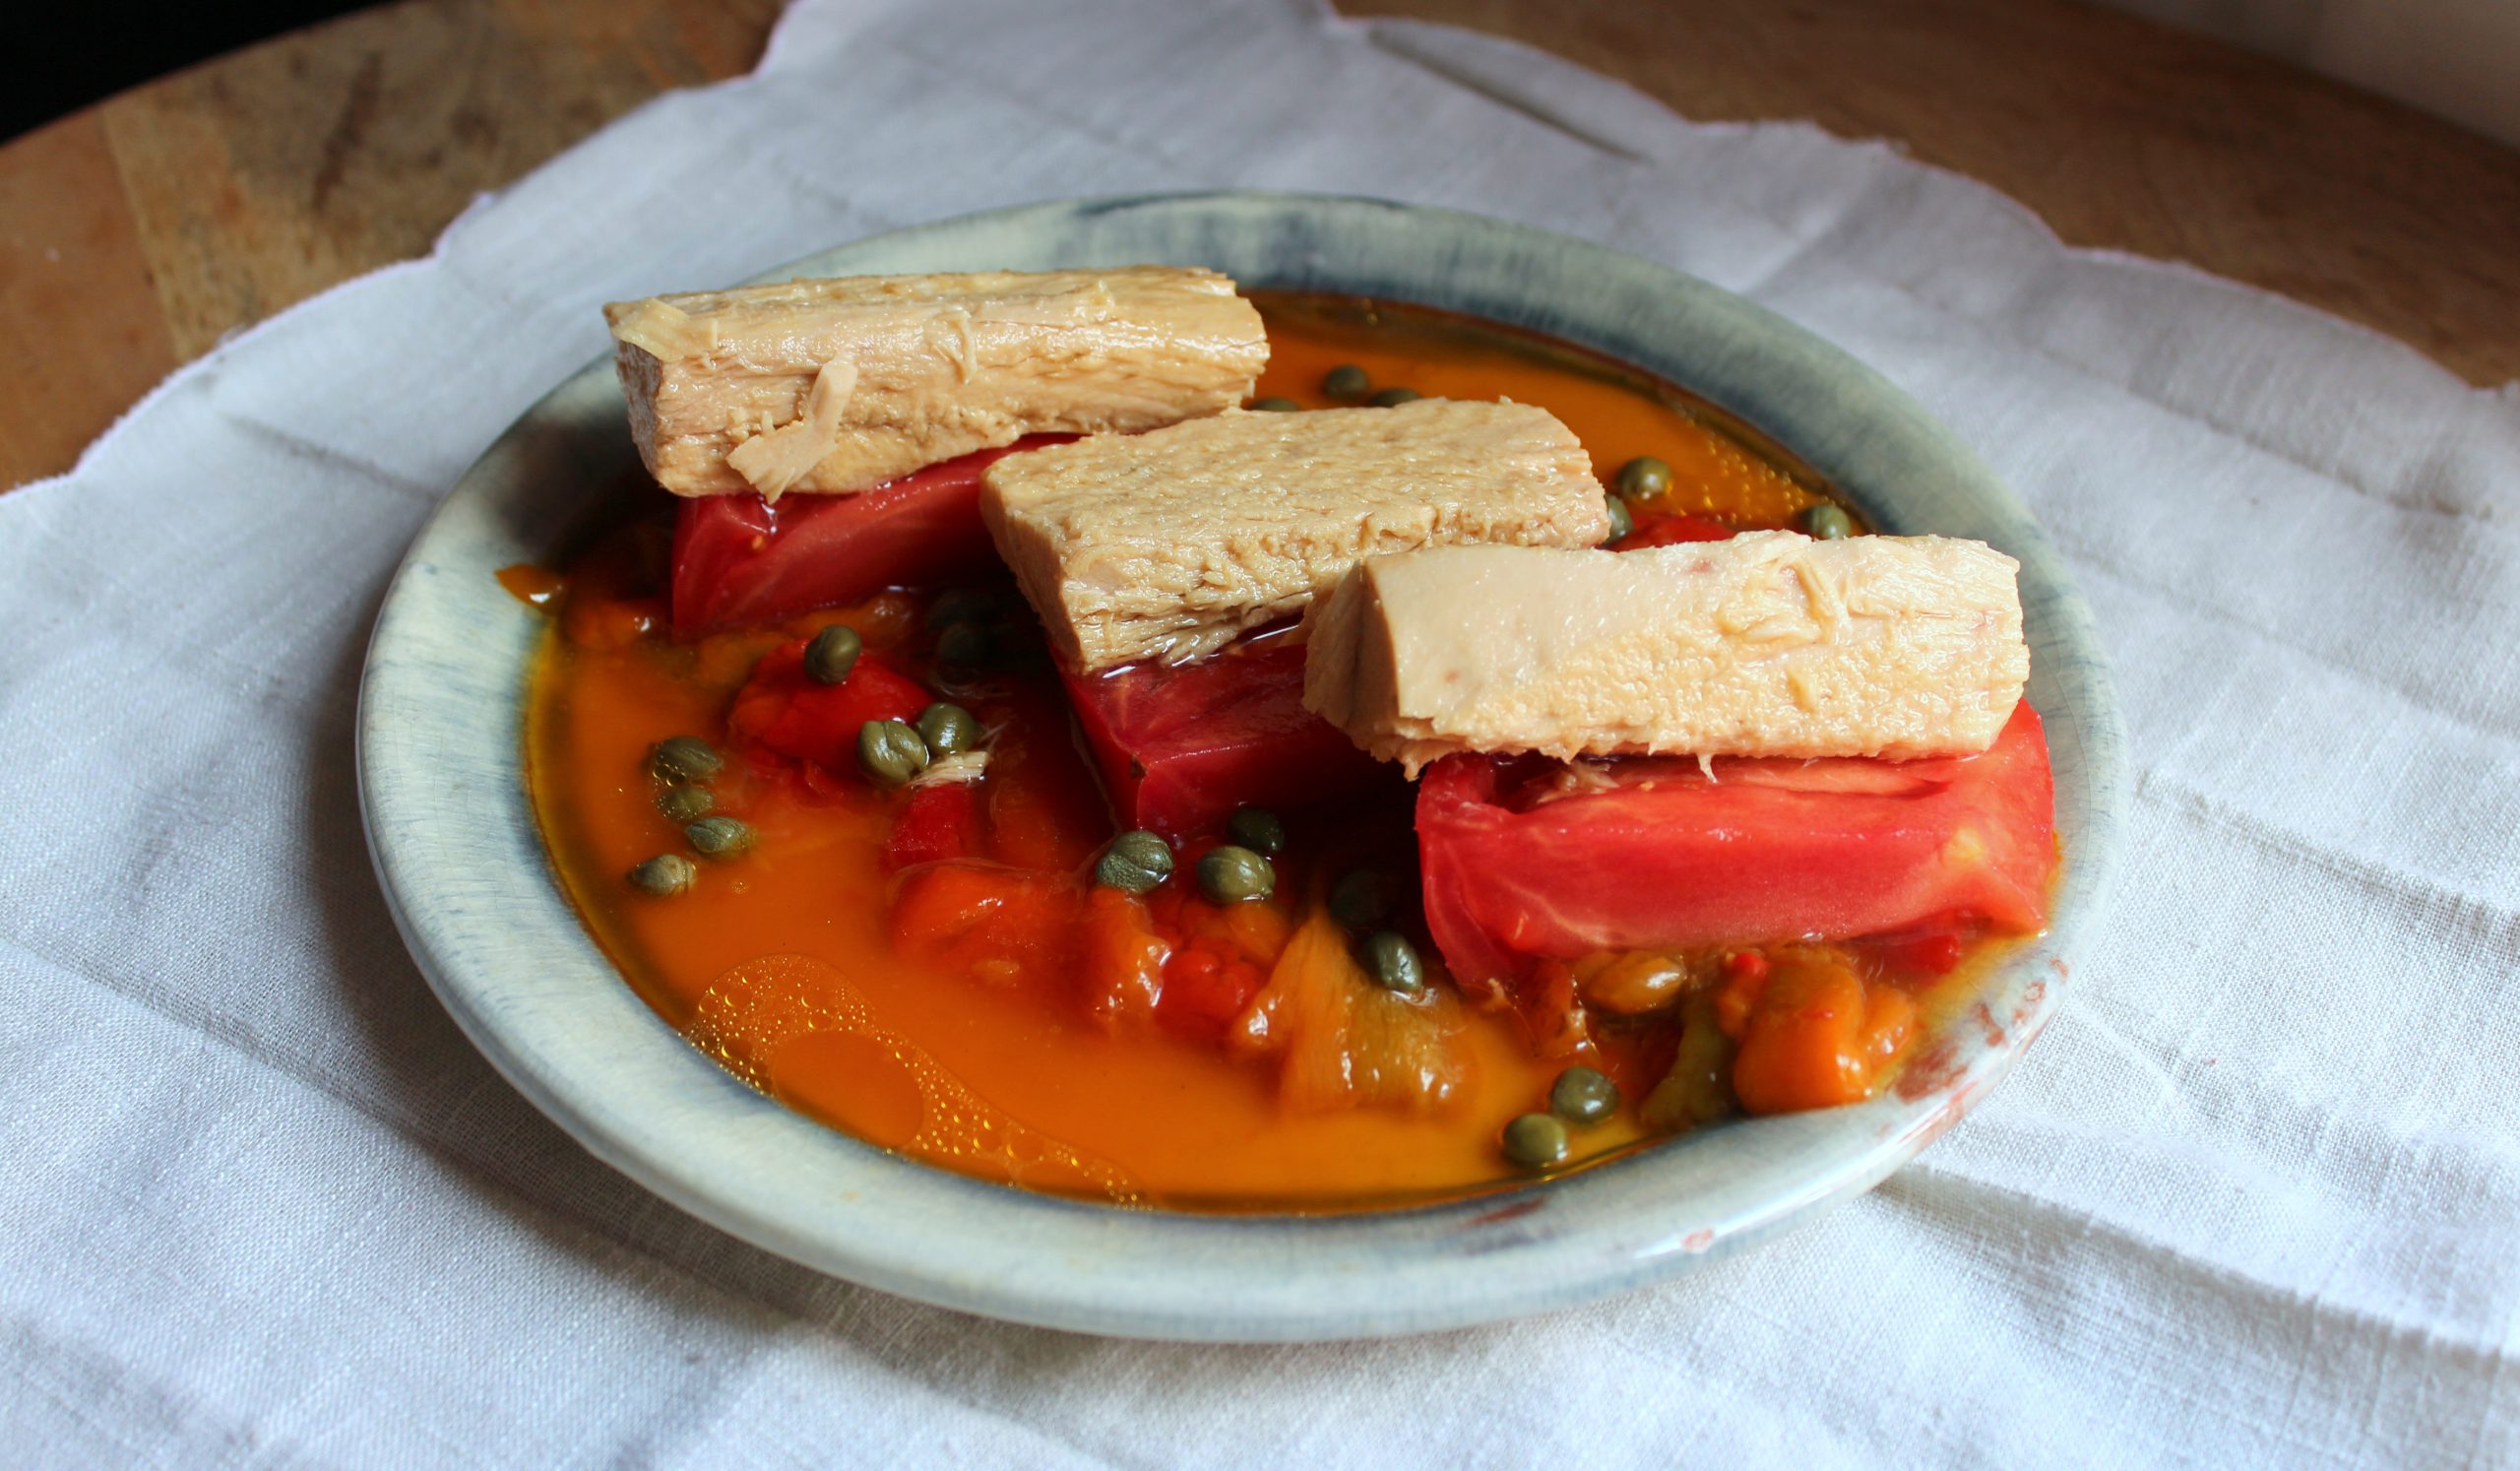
[{"x": 135, "y": 234}]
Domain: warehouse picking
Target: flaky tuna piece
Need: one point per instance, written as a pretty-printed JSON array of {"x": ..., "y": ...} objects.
[
  {"x": 1770, "y": 644},
  {"x": 835, "y": 386},
  {"x": 1167, "y": 544}
]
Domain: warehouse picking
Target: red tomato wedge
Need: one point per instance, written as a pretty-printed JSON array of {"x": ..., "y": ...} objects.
[
  {"x": 1523, "y": 864},
  {"x": 780, "y": 707},
  {"x": 738, "y": 560},
  {"x": 1181, "y": 747}
]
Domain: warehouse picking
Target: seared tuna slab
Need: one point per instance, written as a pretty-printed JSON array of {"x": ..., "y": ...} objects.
[
  {"x": 835, "y": 386},
  {"x": 1167, "y": 544},
  {"x": 1770, "y": 644}
]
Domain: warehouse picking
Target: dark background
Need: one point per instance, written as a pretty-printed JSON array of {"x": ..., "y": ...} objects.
[{"x": 79, "y": 56}]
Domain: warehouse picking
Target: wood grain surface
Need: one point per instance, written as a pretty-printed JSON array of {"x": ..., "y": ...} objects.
[{"x": 132, "y": 235}]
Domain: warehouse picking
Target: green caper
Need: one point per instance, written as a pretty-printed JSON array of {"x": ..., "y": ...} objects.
[
  {"x": 948, "y": 729},
  {"x": 960, "y": 606},
  {"x": 665, "y": 875},
  {"x": 1231, "y": 876},
  {"x": 965, "y": 646},
  {"x": 1621, "y": 522},
  {"x": 1827, "y": 522},
  {"x": 890, "y": 751},
  {"x": 1361, "y": 899},
  {"x": 684, "y": 758},
  {"x": 1392, "y": 398},
  {"x": 1394, "y": 964},
  {"x": 1258, "y": 829},
  {"x": 1135, "y": 862},
  {"x": 1641, "y": 477},
  {"x": 1583, "y": 1095},
  {"x": 720, "y": 837},
  {"x": 1347, "y": 383},
  {"x": 681, "y": 804},
  {"x": 831, "y": 654},
  {"x": 1275, "y": 404},
  {"x": 1535, "y": 1141}
]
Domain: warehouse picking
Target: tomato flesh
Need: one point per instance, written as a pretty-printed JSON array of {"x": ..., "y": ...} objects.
[
  {"x": 1521, "y": 867},
  {"x": 1181, "y": 747},
  {"x": 741, "y": 560}
]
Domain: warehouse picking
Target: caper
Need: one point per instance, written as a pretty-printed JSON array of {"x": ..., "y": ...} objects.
[
  {"x": 831, "y": 654},
  {"x": 1258, "y": 829},
  {"x": 1583, "y": 1095},
  {"x": 1392, "y": 398},
  {"x": 1135, "y": 862},
  {"x": 665, "y": 875},
  {"x": 890, "y": 751},
  {"x": 1361, "y": 899},
  {"x": 960, "y": 606},
  {"x": 1394, "y": 964},
  {"x": 1347, "y": 383},
  {"x": 1644, "y": 476},
  {"x": 1827, "y": 522},
  {"x": 1621, "y": 522},
  {"x": 948, "y": 729},
  {"x": 1535, "y": 1141},
  {"x": 1275, "y": 404},
  {"x": 684, "y": 758},
  {"x": 1232, "y": 876},
  {"x": 965, "y": 646},
  {"x": 682, "y": 804},
  {"x": 720, "y": 837}
]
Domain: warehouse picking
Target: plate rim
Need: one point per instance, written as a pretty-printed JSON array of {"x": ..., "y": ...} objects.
[{"x": 1435, "y": 1265}]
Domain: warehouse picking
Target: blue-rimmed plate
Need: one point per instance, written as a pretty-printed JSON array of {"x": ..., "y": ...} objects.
[{"x": 441, "y": 744}]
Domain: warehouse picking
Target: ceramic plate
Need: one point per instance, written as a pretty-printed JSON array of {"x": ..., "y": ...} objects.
[{"x": 441, "y": 741}]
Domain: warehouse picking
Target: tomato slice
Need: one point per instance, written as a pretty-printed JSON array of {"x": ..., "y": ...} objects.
[
  {"x": 739, "y": 560},
  {"x": 1181, "y": 747},
  {"x": 782, "y": 708},
  {"x": 1527, "y": 860}
]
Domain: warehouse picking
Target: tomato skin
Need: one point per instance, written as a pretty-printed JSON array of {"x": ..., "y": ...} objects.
[
  {"x": 1670, "y": 531},
  {"x": 782, "y": 709},
  {"x": 741, "y": 560},
  {"x": 1771, "y": 849},
  {"x": 1181, "y": 747}
]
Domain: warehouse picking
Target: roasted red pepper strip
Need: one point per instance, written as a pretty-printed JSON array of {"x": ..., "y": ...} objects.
[
  {"x": 782, "y": 709},
  {"x": 937, "y": 822}
]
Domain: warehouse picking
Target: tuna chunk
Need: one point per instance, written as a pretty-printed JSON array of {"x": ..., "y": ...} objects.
[
  {"x": 1166, "y": 544},
  {"x": 1770, "y": 644},
  {"x": 834, "y": 386}
]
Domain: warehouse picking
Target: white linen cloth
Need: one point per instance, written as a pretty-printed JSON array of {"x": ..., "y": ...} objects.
[{"x": 2253, "y": 1200}]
